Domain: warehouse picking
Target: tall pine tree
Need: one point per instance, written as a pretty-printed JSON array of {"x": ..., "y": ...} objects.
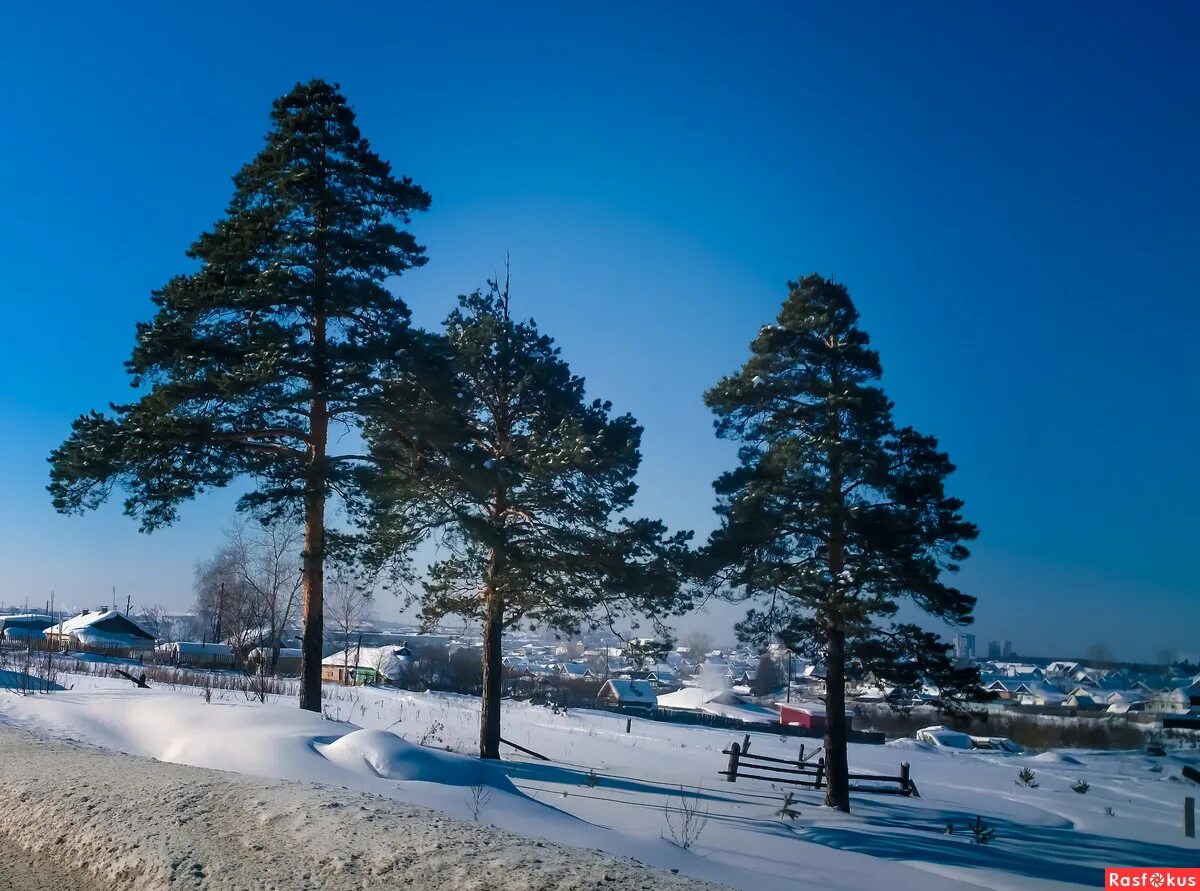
[
  {"x": 834, "y": 516},
  {"x": 280, "y": 333},
  {"x": 526, "y": 480}
]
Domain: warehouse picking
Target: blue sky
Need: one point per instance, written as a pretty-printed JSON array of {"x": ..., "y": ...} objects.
[{"x": 1009, "y": 191}]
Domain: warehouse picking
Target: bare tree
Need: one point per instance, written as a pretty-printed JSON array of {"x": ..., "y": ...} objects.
[
  {"x": 156, "y": 620},
  {"x": 223, "y": 602},
  {"x": 266, "y": 561},
  {"x": 348, "y": 605},
  {"x": 699, "y": 645}
]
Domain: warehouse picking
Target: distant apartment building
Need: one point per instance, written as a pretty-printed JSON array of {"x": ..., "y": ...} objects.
[
  {"x": 964, "y": 647},
  {"x": 999, "y": 649}
]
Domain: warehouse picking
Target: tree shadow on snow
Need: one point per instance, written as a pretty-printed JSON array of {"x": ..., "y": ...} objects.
[
  {"x": 1060, "y": 853},
  {"x": 546, "y": 772}
]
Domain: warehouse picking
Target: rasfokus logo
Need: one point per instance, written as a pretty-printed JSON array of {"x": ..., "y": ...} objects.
[{"x": 1151, "y": 877}]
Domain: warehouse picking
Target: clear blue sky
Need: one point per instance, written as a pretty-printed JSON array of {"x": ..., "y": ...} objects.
[{"x": 1009, "y": 190}]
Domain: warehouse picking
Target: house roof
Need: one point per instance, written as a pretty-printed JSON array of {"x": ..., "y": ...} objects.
[
  {"x": 390, "y": 662},
  {"x": 104, "y": 629},
  {"x": 718, "y": 702},
  {"x": 631, "y": 692},
  {"x": 109, "y": 620}
]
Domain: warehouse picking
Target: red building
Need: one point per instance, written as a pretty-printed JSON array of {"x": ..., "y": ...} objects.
[{"x": 810, "y": 715}]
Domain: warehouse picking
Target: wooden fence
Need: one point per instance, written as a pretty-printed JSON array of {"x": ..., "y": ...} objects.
[{"x": 802, "y": 772}]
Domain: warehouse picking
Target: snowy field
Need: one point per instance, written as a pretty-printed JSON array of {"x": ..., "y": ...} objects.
[{"x": 622, "y": 793}]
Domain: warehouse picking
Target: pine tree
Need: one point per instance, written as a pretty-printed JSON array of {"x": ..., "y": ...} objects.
[
  {"x": 280, "y": 333},
  {"x": 527, "y": 481},
  {"x": 834, "y": 515}
]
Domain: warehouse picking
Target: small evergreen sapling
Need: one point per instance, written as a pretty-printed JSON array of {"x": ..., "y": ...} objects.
[
  {"x": 1080, "y": 786},
  {"x": 981, "y": 833},
  {"x": 1027, "y": 777},
  {"x": 789, "y": 810}
]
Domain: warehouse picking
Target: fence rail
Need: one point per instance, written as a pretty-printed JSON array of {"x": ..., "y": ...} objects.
[{"x": 743, "y": 764}]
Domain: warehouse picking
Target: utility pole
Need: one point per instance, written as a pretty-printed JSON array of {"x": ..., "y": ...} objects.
[
  {"x": 220, "y": 610},
  {"x": 789, "y": 659},
  {"x": 50, "y": 649},
  {"x": 128, "y": 604}
]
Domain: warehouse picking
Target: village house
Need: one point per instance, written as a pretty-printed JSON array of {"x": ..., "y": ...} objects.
[
  {"x": 25, "y": 626},
  {"x": 627, "y": 693},
  {"x": 810, "y": 715},
  {"x": 576, "y": 671},
  {"x": 368, "y": 665},
  {"x": 105, "y": 631},
  {"x": 1179, "y": 700}
]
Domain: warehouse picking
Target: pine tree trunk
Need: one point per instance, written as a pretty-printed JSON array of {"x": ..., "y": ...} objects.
[
  {"x": 837, "y": 792},
  {"x": 493, "y": 667},
  {"x": 313, "y": 565},
  {"x": 313, "y": 568}
]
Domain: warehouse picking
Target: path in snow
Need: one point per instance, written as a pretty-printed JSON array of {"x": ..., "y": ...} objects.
[{"x": 135, "y": 823}]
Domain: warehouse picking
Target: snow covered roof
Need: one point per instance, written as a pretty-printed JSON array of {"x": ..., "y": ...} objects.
[
  {"x": 390, "y": 662},
  {"x": 26, "y": 617},
  {"x": 628, "y": 692},
  {"x": 108, "y": 617},
  {"x": 816, "y": 709},
  {"x": 107, "y": 629},
  {"x": 718, "y": 702}
]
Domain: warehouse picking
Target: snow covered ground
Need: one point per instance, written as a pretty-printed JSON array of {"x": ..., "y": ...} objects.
[{"x": 609, "y": 790}]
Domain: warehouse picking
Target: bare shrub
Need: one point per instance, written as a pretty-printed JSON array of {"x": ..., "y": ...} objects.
[
  {"x": 481, "y": 796},
  {"x": 432, "y": 733},
  {"x": 687, "y": 822}
]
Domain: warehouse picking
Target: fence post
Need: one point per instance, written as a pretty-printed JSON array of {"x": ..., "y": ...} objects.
[
  {"x": 905, "y": 782},
  {"x": 735, "y": 752},
  {"x": 1189, "y": 817},
  {"x": 820, "y": 771},
  {"x": 801, "y": 753},
  {"x": 746, "y": 743},
  {"x": 628, "y": 724}
]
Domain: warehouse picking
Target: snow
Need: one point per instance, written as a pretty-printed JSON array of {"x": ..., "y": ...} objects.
[
  {"x": 115, "y": 822},
  {"x": 607, "y": 789}
]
